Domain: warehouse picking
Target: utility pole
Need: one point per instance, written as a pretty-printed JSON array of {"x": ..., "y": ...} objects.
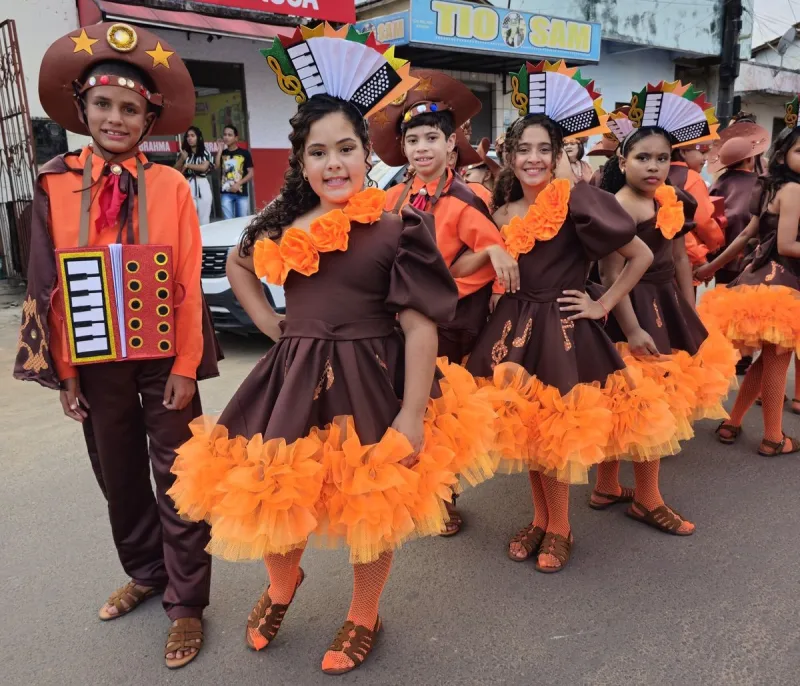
[{"x": 729, "y": 58}]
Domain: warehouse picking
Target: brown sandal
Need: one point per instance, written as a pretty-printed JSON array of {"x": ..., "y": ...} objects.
[
  {"x": 530, "y": 538},
  {"x": 663, "y": 518},
  {"x": 776, "y": 449},
  {"x": 560, "y": 547},
  {"x": 626, "y": 496},
  {"x": 266, "y": 617},
  {"x": 356, "y": 642},
  {"x": 456, "y": 522},
  {"x": 126, "y": 599},
  {"x": 734, "y": 432},
  {"x": 184, "y": 634}
]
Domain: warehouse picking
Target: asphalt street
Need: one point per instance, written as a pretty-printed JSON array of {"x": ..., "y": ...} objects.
[{"x": 634, "y": 606}]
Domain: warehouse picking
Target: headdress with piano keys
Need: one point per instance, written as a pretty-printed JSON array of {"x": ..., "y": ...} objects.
[
  {"x": 561, "y": 93},
  {"x": 680, "y": 110},
  {"x": 341, "y": 63}
]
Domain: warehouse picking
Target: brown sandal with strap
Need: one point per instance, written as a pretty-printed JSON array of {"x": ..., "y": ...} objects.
[
  {"x": 453, "y": 525},
  {"x": 530, "y": 538},
  {"x": 266, "y": 617},
  {"x": 184, "y": 634},
  {"x": 732, "y": 430},
  {"x": 625, "y": 496},
  {"x": 663, "y": 518},
  {"x": 356, "y": 642},
  {"x": 126, "y": 599},
  {"x": 560, "y": 547},
  {"x": 776, "y": 449}
]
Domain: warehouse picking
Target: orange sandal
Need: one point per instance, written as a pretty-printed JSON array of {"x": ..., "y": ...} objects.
[
  {"x": 266, "y": 617},
  {"x": 356, "y": 642}
]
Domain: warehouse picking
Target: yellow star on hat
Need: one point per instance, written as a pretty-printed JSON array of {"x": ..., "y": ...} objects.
[
  {"x": 381, "y": 118},
  {"x": 160, "y": 56},
  {"x": 425, "y": 85},
  {"x": 83, "y": 42}
]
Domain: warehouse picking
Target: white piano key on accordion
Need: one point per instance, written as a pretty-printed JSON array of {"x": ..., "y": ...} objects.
[
  {"x": 96, "y": 314},
  {"x": 91, "y": 300},
  {"x": 307, "y": 70},
  {"x": 96, "y": 330},
  {"x": 83, "y": 267},
  {"x": 91, "y": 345},
  {"x": 91, "y": 283},
  {"x": 652, "y": 109}
]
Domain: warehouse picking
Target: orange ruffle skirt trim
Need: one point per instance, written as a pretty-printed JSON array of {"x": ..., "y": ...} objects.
[
  {"x": 750, "y": 316},
  {"x": 264, "y": 497},
  {"x": 641, "y": 413}
]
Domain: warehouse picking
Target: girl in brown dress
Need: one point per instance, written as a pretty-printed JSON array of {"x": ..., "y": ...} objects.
[
  {"x": 567, "y": 403},
  {"x": 761, "y": 308},
  {"x": 333, "y": 433},
  {"x": 658, "y": 319}
]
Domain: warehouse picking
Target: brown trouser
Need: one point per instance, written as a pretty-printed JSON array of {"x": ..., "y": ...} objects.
[{"x": 156, "y": 547}]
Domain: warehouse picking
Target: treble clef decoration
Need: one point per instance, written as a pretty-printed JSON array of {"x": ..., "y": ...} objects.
[
  {"x": 288, "y": 84},
  {"x": 518, "y": 99},
  {"x": 636, "y": 113},
  {"x": 791, "y": 116}
]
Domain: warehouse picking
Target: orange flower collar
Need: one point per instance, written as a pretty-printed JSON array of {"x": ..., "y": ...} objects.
[
  {"x": 542, "y": 222},
  {"x": 670, "y": 217},
  {"x": 299, "y": 250}
]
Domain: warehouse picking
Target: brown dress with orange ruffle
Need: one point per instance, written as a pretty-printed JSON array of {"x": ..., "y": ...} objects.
[
  {"x": 564, "y": 397},
  {"x": 763, "y": 304},
  {"x": 305, "y": 445}
]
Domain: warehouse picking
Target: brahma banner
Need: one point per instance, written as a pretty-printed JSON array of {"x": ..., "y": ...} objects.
[{"x": 328, "y": 10}]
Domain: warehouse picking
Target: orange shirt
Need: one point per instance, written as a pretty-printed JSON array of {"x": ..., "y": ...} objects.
[
  {"x": 482, "y": 192},
  {"x": 457, "y": 225},
  {"x": 172, "y": 221},
  {"x": 706, "y": 229}
]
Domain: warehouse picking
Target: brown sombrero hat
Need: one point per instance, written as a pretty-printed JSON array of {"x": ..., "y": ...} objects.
[
  {"x": 467, "y": 155},
  {"x": 434, "y": 92},
  {"x": 605, "y": 147},
  {"x": 738, "y": 142},
  {"x": 68, "y": 60}
]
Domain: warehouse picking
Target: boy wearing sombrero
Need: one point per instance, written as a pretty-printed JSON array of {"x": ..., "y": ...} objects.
[
  {"x": 114, "y": 316},
  {"x": 423, "y": 130}
]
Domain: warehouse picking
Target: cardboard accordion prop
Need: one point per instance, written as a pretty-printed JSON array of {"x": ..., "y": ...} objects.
[{"x": 118, "y": 302}]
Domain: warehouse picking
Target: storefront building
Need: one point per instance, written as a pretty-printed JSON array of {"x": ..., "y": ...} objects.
[{"x": 621, "y": 44}]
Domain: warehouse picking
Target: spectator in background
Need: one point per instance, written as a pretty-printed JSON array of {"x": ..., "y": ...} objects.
[
  {"x": 194, "y": 161},
  {"x": 575, "y": 149},
  {"x": 236, "y": 167}
]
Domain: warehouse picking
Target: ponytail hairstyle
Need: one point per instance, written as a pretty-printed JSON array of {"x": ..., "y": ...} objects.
[
  {"x": 507, "y": 188},
  {"x": 296, "y": 196},
  {"x": 778, "y": 172},
  {"x": 613, "y": 177}
]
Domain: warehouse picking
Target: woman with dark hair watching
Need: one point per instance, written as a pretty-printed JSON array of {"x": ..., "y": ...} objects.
[{"x": 194, "y": 161}]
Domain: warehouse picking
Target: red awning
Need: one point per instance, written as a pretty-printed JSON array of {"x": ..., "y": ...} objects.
[{"x": 183, "y": 21}]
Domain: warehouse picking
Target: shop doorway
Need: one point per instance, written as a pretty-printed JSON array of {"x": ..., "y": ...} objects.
[
  {"x": 221, "y": 100},
  {"x": 482, "y": 124}
]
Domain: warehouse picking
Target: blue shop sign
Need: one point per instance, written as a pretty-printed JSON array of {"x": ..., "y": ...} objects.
[
  {"x": 469, "y": 27},
  {"x": 390, "y": 28}
]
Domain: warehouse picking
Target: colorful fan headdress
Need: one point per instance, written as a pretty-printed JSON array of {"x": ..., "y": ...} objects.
[
  {"x": 342, "y": 63},
  {"x": 681, "y": 110},
  {"x": 561, "y": 93},
  {"x": 619, "y": 124},
  {"x": 792, "y": 110}
]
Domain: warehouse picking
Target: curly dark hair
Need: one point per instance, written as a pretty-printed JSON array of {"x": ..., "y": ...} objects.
[
  {"x": 507, "y": 188},
  {"x": 778, "y": 172},
  {"x": 296, "y": 196},
  {"x": 613, "y": 178}
]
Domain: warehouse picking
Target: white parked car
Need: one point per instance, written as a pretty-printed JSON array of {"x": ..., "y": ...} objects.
[{"x": 219, "y": 238}]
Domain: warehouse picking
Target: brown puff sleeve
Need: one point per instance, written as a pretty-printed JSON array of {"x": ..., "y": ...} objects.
[
  {"x": 689, "y": 208},
  {"x": 603, "y": 225},
  {"x": 420, "y": 279}
]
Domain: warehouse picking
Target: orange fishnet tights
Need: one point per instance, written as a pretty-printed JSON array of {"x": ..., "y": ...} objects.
[
  {"x": 556, "y": 495},
  {"x": 368, "y": 583},
  {"x": 539, "y": 500},
  {"x": 283, "y": 570},
  {"x": 767, "y": 377}
]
